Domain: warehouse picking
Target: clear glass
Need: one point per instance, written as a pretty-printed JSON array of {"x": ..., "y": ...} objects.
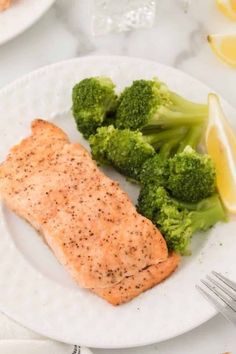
[
  {"x": 122, "y": 15},
  {"x": 186, "y": 4}
]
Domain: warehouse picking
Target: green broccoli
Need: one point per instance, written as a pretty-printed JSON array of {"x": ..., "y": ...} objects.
[
  {"x": 149, "y": 103},
  {"x": 94, "y": 101},
  {"x": 176, "y": 220},
  {"x": 188, "y": 176},
  {"x": 192, "y": 176},
  {"x": 192, "y": 137},
  {"x": 166, "y": 141},
  {"x": 155, "y": 171},
  {"x": 125, "y": 150},
  {"x": 100, "y": 143}
]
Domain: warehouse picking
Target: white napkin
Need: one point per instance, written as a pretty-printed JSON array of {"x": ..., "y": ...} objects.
[{"x": 17, "y": 339}]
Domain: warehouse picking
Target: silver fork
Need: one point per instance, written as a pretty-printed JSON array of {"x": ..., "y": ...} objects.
[{"x": 225, "y": 291}]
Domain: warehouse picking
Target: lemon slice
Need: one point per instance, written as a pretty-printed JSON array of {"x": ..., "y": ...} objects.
[
  {"x": 221, "y": 146},
  {"x": 224, "y": 46},
  {"x": 227, "y": 7}
]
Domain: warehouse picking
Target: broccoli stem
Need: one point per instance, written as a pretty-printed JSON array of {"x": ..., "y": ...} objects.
[
  {"x": 204, "y": 204},
  {"x": 209, "y": 211},
  {"x": 183, "y": 105},
  {"x": 167, "y": 148},
  {"x": 192, "y": 138},
  {"x": 168, "y": 117},
  {"x": 170, "y": 135}
]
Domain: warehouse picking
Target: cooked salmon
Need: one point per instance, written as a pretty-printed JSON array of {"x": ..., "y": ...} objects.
[
  {"x": 134, "y": 285},
  {"x": 4, "y": 4},
  {"x": 85, "y": 217}
]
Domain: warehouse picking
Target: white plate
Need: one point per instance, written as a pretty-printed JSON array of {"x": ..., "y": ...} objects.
[
  {"x": 35, "y": 290},
  {"x": 20, "y": 16}
]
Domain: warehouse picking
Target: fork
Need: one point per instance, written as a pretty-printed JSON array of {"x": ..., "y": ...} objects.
[{"x": 225, "y": 291}]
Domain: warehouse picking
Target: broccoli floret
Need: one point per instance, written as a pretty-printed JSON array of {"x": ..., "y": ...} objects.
[
  {"x": 167, "y": 143},
  {"x": 124, "y": 149},
  {"x": 100, "y": 143},
  {"x": 188, "y": 176},
  {"x": 176, "y": 220},
  {"x": 192, "y": 176},
  {"x": 94, "y": 101},
  {"x": 155, "y": 171},
  {"x": 150, "y": 103},
  {"x": 176, "y": 227},
  {"x": 147, "y": 201},
  {"x": 127, "y": 150},
  {"x": 132, "y": 153}
]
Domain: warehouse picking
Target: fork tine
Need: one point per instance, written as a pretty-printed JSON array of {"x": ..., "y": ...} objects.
[
  {"x": 228, "y": 282},
  {"x": 209, "y": 297},
  {"x": 226, "y": 290},
  {"x": 220, "y": 295},
  {"x": 228, "y": 314}
]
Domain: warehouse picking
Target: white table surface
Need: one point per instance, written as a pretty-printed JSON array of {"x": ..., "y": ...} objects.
[{"x": 177, "y": 39}]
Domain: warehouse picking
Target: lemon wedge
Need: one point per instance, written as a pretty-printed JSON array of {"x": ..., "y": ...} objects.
[
  {"x": 227, "y": 7},
  {"x": 221, "y": 146},
  {"x": 224, "y": 47}
]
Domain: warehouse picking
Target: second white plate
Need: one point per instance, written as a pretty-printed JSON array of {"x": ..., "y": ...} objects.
[
  {"x": 35, "y": 290},
  {"x": 20, "y": 16}
]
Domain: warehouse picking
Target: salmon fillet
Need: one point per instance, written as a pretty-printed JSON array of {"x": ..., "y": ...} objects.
[
  {"x": 145, "y": 279},
  {"x": 86, "y": 219},
  {"x": 4, "y": 4}
]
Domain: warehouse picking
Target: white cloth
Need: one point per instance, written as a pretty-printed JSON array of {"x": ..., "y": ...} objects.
[{"x": 17, "y": 339}]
